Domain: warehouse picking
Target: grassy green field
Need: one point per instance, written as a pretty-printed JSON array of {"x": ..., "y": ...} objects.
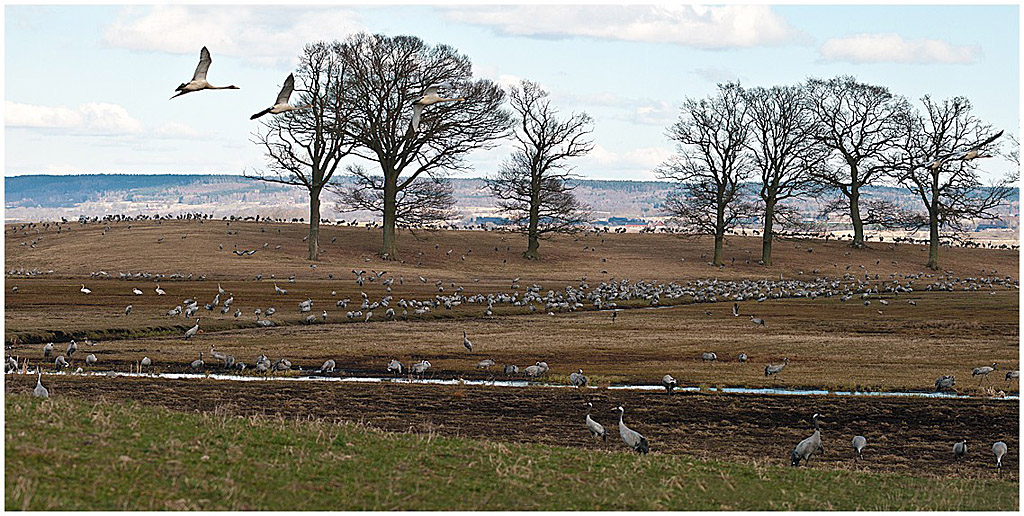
[{"x": 70, "y": 454}]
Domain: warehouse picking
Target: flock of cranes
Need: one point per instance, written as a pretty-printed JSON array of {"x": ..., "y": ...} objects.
[
  {"x": 281, "y": 103},
  {"x": 603, "y": 296}
]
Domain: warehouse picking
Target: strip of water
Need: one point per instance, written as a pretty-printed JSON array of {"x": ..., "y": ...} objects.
[{"x": 527, "y": 383}]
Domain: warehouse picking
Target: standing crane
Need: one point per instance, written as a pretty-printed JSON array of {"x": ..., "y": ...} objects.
[
  {"x": 41, "y": 392},
  {"x": 806, "y": 448},
  {"x": 630, "y": 437},
  {"x": 191, "y": 332},
  {"x": 596, "y": 430}
]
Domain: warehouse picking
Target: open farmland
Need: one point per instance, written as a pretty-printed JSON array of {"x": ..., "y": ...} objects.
[{"x": 831, "y": 344}]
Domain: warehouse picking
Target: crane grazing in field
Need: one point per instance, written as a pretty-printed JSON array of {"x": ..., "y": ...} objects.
[
  {"x": 279, "y": 290},
  {"x": 128, "y": 309},
  {"x": 630, "y": 437},
  {"x": 466, "y": 342},
  {"x": 420, "y": 367},
  {"x": 160, "y": 291},
  {"x": 596, "y": 430},
  {"x": 774, "y": 370},
  {"x": 485, "y": 364},
  {"x": 191, "y": 332},
  {"x": 84, "y": 290},
  {"x": 198, "y": 363},
  {"x": 90, "y": 359},
  {"x": 708, "y": 356},
  {"x": 136, "y": 291},
  {"x": 960, "y": 450},
  {"x": 48, "y": 350},
  {"x": 61, "y": 362},
  {"x": 736, "y": 309},
  {"x": 945, "y": 382},
  {"x": 1010, "y": 375},
  {"x": 281, "y": 105},
  {"x": 999, "y": 449},
  {"x": 72, "y": 347},
  {"x": 983, "y": 371},
  {"x": 145, "y": 362},
  {"x": 41, "y": 392},
  {"x": 534, "y": 370},
  {"x": 511, "y": 369},
  {"x": 809, "y": 446},
  {"x": 757, "y": 321},
  {"x": 395, "y": 366},
  {"x": 577, "y": 379},
  {"x": 198, "y": 82},
  {"x": 669, "y": 383},
  {"x": 328, "y": 366},
  {"x": 429, "y": 97},
  {"x": 859, "y": 442},
  {"x": 742, "y": 357}
]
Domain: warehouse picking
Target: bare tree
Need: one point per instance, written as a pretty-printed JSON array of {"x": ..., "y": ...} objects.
[
  {"x": 384, "y": 77},
  {"x": 304, "y": 147},
  {"x": 534, "y": 186},
  {"x": 786, "y": 152},
  {"x": 937, "y": 160},
  {"x": 858, "y": 122},
  {"x": 711, "y": 165},
  {"x": 425, "y": 202}
]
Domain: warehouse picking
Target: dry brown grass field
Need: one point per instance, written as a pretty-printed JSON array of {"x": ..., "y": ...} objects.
[{"x": 830, "y": 344}]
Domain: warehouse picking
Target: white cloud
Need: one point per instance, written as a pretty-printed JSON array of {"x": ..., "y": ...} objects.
[
  {"x": 179, "y": 130},
  {"x": 262, "y": 34},
  {"x": 92, "y": 117},
  {"x": 715, "y": 75},
  {"x": 642, "y": 159},
  {"x": 634, "y": 110},
  {"x": 892, "y": 48},
  {"x": 695, "y": 26}
]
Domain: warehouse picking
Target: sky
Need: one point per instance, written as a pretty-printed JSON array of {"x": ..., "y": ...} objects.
[{"x": 86, "y": 88}]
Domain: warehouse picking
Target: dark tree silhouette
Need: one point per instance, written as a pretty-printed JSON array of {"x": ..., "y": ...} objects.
[
  {"x": 937, "y": 159},
  {"x": 857, "y": 122},
  {"x": 534, "y": 186},
  {"x": 425, "y": 202},
  {"x": 785, "y": 152},
  {"x": 384, "y": 77},
  {"x": 304, "y": 147},
  {"x": 711, "y": 165}
]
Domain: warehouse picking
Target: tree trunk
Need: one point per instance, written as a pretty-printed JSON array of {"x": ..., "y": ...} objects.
[
  {"x": 533, "y": 233},
  {"x": 314, "y": 224},
  {"x": 858, "y": 224},
  {"x": 389, "y": 251},
  {"x": 719, "y": 238},
  {"x": 933, "y": 240},
  {"x": 766, "y": 237}
]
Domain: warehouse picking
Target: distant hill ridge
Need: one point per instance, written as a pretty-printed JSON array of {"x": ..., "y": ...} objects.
[{"x": 39, "y": 197}]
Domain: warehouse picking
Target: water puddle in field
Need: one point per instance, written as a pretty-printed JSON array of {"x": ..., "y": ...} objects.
[{"x": 525, "y": 383}]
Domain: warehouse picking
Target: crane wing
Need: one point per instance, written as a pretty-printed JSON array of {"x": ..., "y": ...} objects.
[
  {"x": 286, "y": 90},
  {"x": 990, "y": 140},
  {"x": 204, "y": 65}
]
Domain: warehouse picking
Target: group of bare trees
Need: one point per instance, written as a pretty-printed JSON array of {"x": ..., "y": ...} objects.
[
  {"x": 828, "y": 137},
  {"x": 362, "y": 92},
  {"x": 831, "y": 137}
]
